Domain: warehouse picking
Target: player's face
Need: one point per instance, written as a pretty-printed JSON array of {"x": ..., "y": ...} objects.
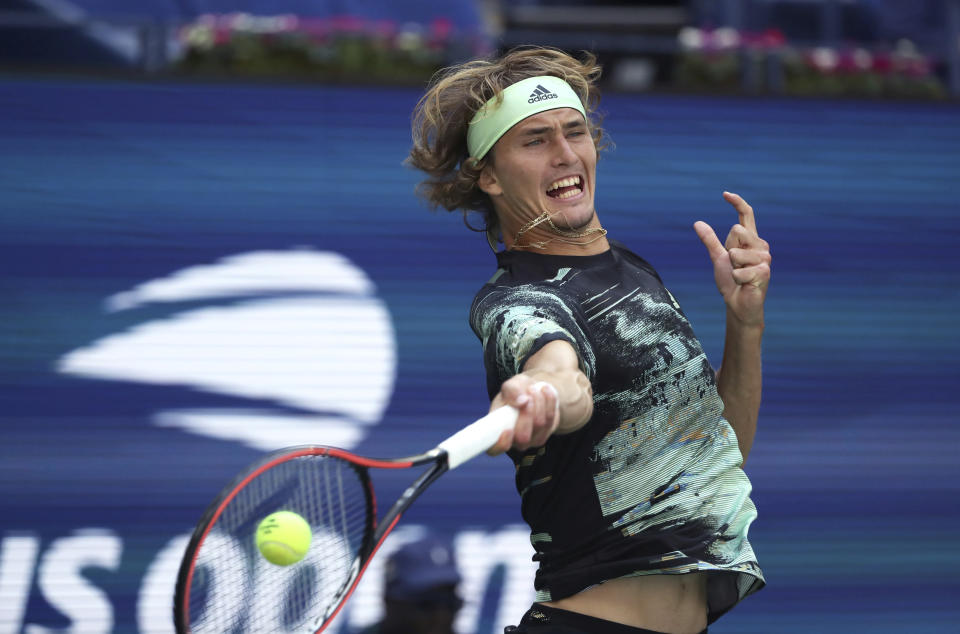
[{"x": 547, "y": 162}]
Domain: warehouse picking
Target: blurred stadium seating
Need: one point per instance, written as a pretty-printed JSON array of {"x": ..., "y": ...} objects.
[
  {"x": 932, "y": 26},
  {"x": 639, "y": 41},
  {"x": 142, "y": 34}
]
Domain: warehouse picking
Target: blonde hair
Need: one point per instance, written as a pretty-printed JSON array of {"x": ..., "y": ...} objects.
[{"x": 441, "y": 117}]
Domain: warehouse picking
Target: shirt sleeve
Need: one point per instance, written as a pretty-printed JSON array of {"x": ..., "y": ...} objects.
[{"x": 515, "y": 322}]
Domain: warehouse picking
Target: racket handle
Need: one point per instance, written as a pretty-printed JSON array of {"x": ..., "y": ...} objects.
[{"x": 479, "y": 436}]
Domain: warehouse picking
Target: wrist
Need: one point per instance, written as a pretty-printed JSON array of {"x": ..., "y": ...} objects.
[{"x": 754, "y": 324}]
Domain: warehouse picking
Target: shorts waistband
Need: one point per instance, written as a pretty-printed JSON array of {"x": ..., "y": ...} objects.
[{"x": 542, "y": 615}]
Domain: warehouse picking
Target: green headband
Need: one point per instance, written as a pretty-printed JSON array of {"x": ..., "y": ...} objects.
[{"x": 520, "y": 100}]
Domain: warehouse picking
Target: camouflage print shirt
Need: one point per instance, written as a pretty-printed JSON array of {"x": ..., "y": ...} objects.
[{"x": 652, "y": 484}]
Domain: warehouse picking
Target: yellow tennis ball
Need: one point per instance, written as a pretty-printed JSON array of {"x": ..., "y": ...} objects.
[{"x": 283, "y": 538}]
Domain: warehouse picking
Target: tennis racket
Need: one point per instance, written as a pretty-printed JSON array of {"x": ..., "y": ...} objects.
[{"x": 225, "y": 585}]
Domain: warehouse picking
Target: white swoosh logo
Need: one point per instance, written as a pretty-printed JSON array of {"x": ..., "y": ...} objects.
[{"x": 307, "y": 332}]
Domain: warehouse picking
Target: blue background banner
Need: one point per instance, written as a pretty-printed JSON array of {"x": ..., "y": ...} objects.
[{"x": 194, "y": 274}]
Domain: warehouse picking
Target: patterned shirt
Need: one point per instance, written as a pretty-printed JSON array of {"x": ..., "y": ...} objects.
[{"x": 652, "y": 484}]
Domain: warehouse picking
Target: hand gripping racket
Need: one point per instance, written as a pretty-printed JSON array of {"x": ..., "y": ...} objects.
[{"x": 225, "y": 585}]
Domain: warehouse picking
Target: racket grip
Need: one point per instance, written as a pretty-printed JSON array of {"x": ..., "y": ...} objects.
[{"x": 479, "y": 436}]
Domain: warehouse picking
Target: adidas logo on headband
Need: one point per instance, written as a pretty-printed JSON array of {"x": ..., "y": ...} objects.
[
  {"x": 500, "y": 113},
  {"x": 540, "y": 94}
]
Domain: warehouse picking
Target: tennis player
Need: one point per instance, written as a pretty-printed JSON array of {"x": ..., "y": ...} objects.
[{"x": 629, "y": 447}]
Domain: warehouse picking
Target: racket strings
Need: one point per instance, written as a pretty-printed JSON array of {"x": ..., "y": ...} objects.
[{"x": 236, "y": 589}]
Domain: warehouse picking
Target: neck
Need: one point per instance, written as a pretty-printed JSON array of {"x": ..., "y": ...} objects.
[{"x": 541, "y": 235}]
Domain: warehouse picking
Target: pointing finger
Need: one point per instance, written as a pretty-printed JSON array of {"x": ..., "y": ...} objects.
[{"x": 745, "y": 211}]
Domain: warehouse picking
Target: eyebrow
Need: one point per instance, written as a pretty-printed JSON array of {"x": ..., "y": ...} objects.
[{"x": 569, "y": 125}]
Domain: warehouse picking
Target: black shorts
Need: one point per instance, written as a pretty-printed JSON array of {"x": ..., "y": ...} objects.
[{"x": 541, "y": 619}]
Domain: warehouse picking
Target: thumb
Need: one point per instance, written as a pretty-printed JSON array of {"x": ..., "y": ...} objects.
[{"x": 709, "y": 239}]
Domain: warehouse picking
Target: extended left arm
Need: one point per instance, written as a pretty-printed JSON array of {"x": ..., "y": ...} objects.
[{"x": 741, "y": 267}]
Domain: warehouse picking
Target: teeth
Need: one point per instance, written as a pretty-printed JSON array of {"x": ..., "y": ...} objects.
[
  {"x": 568, "y": 194},
  {"x": 564, "y": 182}
]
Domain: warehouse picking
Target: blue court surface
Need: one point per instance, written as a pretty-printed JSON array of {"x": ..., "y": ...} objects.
[{"x": 195, "y": 273}]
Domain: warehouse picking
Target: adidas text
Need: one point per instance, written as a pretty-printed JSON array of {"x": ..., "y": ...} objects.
[{"x": 536, "y": 98}]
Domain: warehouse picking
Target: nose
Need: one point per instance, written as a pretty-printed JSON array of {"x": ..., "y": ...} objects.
[{"x": 564, "y": 154}]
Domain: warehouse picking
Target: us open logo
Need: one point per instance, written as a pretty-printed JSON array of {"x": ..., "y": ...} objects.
[{"x": 302, "y": 330}]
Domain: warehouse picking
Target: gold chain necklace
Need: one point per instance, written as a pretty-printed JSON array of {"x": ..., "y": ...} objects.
[{"x": 564, "y": 234}]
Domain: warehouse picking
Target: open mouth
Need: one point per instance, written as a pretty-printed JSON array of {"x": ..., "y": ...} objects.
[{"x": 565, "y": 187}]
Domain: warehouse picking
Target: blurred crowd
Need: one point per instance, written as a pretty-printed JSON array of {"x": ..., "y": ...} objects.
[{"x": 860, "y": 47}]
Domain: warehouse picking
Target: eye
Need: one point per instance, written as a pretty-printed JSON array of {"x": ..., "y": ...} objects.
[{"x": 533, "y": 142}]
